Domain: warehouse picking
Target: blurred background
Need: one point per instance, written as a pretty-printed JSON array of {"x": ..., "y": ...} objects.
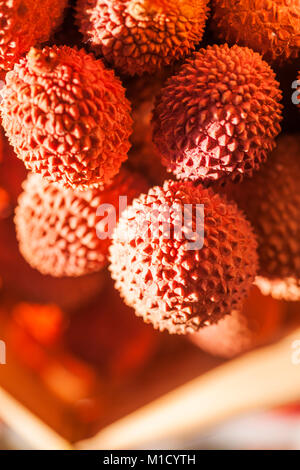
[{"x": 80, "y": 364}]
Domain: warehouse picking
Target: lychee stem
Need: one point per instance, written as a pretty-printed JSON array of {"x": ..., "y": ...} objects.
[{"x": 40, "y": 62}]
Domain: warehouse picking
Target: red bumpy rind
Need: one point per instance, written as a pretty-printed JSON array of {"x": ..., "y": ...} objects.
[
  {"x": 218, "y": 117},
  {"x": 171, "y": 285},
  {"x": 67, "y": 117},
  {"x": 269, "y": 27},
  {"x": 138, "y": 36},
  {"x": 58, "y": 229},
  {"x": 26, "y": 23}
]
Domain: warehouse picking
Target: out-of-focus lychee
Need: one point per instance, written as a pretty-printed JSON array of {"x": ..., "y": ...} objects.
[
  {"x": 271, "y": 28},
  {"x": 61, "y": 232},
  {"x": 26, "y": 23},
  {"x": 256, "y": 323},
  {"x": 271, "y": 201}
]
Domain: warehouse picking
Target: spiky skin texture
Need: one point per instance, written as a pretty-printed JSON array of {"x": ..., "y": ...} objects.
[
  {"x": 67, "y": 117},
  {"x": 218, "y": 117},
  {"x": 269, "y": 27},
  {"x": 271, "y": 201},
  {"x": 26, "y": 23},
  {"x": 257, "y": 323},
  {"x": 139, "y": 36},
  {"x": 59, "y": 229},
  {"x": 171, "y": 285}
]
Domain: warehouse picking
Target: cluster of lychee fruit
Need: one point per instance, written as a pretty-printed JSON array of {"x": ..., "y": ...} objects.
[{"x": 202, "y": 118}]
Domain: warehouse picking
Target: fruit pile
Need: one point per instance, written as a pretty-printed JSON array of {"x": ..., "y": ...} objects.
[{"x": 177, "y": 107}]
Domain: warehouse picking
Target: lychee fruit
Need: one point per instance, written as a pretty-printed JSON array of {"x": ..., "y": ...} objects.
[
  {"x": 138, "y": 36},
  {"x": 218, "y": 117},
  {"x": 26, "y": 23},
  {"x": 271, "y": 201},
  {"x": 256, "y": 323},
  {"x": 65, "y": 232},
  {"x": 180, "y": 267},
  {"x": 67, "y": 117},
  {"x": 269, "y": 27},
  {"x": 23, "y": 282}
]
